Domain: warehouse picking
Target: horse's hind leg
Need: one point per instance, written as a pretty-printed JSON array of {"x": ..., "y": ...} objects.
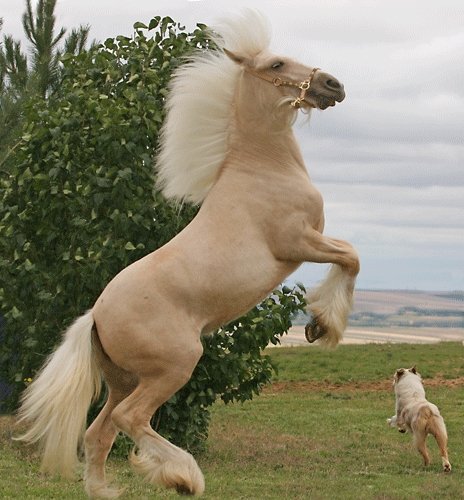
[
  {"x": 100, "y": 436},
  {"x": 99, "y": 439},
  {"x": 156, "y": 458}
]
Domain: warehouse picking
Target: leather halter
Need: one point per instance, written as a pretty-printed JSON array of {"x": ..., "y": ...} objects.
[{"x": 278, "y": 82}]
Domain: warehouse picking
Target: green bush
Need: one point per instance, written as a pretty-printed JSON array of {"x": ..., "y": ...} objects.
[{"x": 78, "y": 206}]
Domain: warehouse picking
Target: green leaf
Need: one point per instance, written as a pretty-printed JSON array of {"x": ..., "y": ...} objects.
[
  {"x": 138, "y": 25},
  {"x": 129, "y": 246},
  {"x": 154, "y": 23}
]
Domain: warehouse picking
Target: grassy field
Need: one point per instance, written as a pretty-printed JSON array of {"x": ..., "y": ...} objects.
[{"x": 318, "y": 432}]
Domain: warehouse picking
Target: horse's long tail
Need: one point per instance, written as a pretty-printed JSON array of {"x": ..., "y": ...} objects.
[{"x": 55, "y": 404}]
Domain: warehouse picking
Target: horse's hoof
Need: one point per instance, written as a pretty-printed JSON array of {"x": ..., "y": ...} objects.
[{"x": 314, "y": 331}]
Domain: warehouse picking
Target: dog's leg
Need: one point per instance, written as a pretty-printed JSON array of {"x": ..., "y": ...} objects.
[
  {"x": 397, "y": 422},
  {"x": 444, "y": 454},
  {"x": 438, "y": 430},
  {"x": 419, "y": 441},
  {"x": 392, "y": 421}
]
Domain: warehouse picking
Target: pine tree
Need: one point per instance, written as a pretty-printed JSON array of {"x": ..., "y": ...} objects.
[{"x": 22, "y": 77}]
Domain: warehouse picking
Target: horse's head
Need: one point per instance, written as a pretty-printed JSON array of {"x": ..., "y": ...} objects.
[{"x": 303, "y": 86}]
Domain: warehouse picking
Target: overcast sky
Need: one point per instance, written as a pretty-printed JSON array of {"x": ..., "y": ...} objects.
[{"x": 389, "y": 160}]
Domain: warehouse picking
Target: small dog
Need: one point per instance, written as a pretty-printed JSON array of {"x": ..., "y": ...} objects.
[{"x": 417, "y": 415}]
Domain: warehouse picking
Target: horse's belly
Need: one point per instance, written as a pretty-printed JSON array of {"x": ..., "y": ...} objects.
[
  {"x": 225, "y": 292},
  {"x": 185, "y": 286}
]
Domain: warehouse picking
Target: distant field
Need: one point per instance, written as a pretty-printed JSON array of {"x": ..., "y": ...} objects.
[
  {"x": 408, "y": 309},
  {"x": 390, "y": 301},
  {"x": 382, "y": 335},
  {"x": 404, "y": 308}
]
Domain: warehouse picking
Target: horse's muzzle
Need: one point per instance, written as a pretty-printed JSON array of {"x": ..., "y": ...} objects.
[{"x": 326, "y": 90}]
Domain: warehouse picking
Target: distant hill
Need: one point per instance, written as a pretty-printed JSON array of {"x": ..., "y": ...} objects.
[
  {"x": 406, "y": 308},
  {"x": 389, "y": 301}
]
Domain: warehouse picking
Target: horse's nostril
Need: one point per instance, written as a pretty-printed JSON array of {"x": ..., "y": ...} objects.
[{"x": 333, "y": 84}]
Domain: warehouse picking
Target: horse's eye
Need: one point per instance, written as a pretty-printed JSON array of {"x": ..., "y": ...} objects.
[{"x": 277, "y": 65}]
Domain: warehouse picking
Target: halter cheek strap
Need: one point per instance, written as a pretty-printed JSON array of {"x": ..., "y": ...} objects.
[{"x": 304, "y": 86}]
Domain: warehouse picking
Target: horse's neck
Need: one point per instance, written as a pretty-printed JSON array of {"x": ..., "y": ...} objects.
[
  {"x": 276, "y": 151},
  {"x": 260, "y": 132}
]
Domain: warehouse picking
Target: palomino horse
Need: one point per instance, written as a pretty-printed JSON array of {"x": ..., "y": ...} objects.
[{"x": 227, "y": 144}]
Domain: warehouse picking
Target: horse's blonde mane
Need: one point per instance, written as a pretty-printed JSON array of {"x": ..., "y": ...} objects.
[{"x": 195, "y": 133}]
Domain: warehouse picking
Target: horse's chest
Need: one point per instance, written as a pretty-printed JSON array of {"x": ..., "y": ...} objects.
[{"x": 301, "y": 208}]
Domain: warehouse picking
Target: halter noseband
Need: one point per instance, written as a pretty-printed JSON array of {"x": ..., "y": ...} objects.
[{"x": 278, "y": 82}]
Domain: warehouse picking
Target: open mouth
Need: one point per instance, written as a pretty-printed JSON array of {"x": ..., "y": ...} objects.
[{"x": 322, "y": 101}]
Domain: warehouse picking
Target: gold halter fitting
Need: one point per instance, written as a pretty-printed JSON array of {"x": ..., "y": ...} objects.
[{"x": 304, "y": 86}]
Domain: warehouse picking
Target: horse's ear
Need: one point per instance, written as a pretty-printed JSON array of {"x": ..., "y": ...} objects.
[
  {"x": 235, "y": 57},
  {"x": 413, "y": 369},
  {"x": 399, "y": 373}
]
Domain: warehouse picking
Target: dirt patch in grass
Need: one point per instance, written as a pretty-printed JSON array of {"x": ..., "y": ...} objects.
[
  {"x": 258, "y": 445},
  {"x": 10, "y": 429},
  {"x": 355, "y": 386},
  {"x": 7, "y": 423}
]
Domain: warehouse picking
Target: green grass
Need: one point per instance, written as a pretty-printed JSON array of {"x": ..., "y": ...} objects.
[
  {"x": 373, "y": 362},
  {"x": 318, "y": 433}
]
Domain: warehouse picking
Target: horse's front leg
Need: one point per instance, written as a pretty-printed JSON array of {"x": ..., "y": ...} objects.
[{"x": 331, "y": 302}]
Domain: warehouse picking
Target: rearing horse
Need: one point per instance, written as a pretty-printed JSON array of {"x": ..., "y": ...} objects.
[{"x": 228, "y": 145}]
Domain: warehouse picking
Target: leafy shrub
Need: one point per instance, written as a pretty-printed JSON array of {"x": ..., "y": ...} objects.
[{"x": 79, "y": 204}]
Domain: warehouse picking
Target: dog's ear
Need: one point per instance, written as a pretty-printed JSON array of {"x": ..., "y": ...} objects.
[
  {"x": 399, "y": 373},
  {"x": 413, "y": 369}
]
